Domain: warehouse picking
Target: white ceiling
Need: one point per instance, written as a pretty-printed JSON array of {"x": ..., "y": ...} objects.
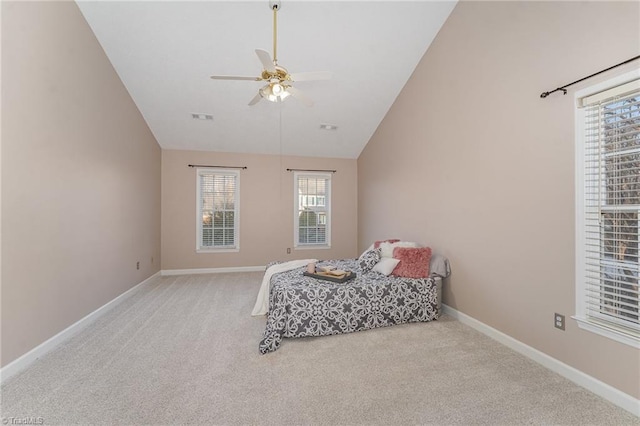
[{"x": 164, "y": 52}]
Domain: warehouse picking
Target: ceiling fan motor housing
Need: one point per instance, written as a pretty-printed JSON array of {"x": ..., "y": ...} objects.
[{"x": 281, "y": 74}]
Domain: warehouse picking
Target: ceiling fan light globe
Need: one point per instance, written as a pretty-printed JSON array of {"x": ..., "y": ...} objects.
[
  {"x": 274, "y": 92},
  {"x": 277, "y": 89},
  {"x": 267, "y": 93}
]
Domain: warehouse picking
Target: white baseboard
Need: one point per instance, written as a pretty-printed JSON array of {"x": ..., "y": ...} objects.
[
  {"x": 166, "y": 272},
  {"x": 594, "y": 385},
  {"x": 20, "y": 364}
]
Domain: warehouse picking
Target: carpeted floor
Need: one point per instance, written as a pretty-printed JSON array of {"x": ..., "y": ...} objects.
[{"x": 185, "y": 350}]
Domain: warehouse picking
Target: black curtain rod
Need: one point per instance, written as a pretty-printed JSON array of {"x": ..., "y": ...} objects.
[
  {"x": 564, "y": 90},
  {"x": 219, "y": 167},
  {"x": 308, "y": 170}
]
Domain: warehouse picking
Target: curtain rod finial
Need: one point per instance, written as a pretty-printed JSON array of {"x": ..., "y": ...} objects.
[{"x": 544, "y": 95}]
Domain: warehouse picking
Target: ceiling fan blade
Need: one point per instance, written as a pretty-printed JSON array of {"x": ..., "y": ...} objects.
[
  {"x": 235, "y": 77},
  {"x": 255, "y": 99},
  {"x": 309, "y": 76},
  {"x": 265, "y": 58},
  {"x": 299, "y": 96}
]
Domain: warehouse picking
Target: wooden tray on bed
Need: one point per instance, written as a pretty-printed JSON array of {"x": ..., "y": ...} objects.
[{"x": 328, "y": 277}]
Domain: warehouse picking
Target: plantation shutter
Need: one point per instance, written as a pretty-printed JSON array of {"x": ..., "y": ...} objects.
[
  {"x": 612, "y": 207},
  {"x": 218, "y": 206}
]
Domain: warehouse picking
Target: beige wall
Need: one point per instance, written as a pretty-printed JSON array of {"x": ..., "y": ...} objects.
[
  {"x": 80, "y": 177},
  {"x": 266, "y": 209},
  {"x": 471, "y": 161}
]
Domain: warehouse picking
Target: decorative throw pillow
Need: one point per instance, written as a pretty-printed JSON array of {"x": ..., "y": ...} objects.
[
  {"x": 386, "y": 265},
  {"x": 414, "y": 262},
  {"x": 377, "y": 243},
  {"x": 369, "y": 259},
  {"x": 439, "y": 266},
  {"x": 387, "y": 248},
  {"x": 365, "y": 252}
]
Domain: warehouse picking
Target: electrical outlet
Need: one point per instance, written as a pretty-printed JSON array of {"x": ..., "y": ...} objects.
[
  {"x": 289, "y": 250},
  {"x": 558, "y": 321},
  {"x": 137, "y": 265}
]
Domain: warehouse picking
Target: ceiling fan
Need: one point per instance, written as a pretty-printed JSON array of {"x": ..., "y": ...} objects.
[{"x": 279, "y": 81}]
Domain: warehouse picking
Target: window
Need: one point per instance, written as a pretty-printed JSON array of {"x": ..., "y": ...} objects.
[
  {"x": 217, "y": 209},
  {"x": 312, "y": 211},
  {"x": 608, "y": 208}
]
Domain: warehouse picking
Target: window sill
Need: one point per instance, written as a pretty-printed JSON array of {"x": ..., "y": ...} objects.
[
  {"x": 217, "y": 250},
  {"x": 608, "y": 332},
  {"x": 311, "y": 247}
]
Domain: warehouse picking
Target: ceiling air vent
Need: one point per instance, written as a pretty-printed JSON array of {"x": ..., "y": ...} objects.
[
  {"x": 328, "y": 126},
  {"x": 201, "y": 116}
]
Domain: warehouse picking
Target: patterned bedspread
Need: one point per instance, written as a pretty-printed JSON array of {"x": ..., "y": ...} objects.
[{"x": 302, "y": 306}]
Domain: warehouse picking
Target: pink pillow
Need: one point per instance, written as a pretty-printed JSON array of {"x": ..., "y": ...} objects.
[
  {"x": 377, "y": 243},
  {"x": 414, "y": 262}
]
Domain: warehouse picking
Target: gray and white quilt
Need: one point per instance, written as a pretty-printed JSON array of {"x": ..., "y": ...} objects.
[{"x": 301, "y": 306}]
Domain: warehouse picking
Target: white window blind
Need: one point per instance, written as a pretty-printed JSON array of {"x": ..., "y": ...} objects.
[
  {"x": 217, "y": 210},
  {"x": 312, "y": 209},
  {"x": 608, "y": 293}
]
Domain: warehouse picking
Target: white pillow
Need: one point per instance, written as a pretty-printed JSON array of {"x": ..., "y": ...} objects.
[
  {"x": 387, "y": 248},
  {"x": 386, "y": 265}
]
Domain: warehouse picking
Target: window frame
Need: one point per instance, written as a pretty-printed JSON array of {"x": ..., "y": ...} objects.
[
  {"x": 586, "y": 320},
  {"x": 326, "y": 208},
  {"x": 199, "y": 229}
]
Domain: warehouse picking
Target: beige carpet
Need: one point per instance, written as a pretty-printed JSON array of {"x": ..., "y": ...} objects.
[{"x": 185, "y": 350}]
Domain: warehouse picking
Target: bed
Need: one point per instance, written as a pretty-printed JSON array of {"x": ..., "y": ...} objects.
[{"x": 303, "y": 306}]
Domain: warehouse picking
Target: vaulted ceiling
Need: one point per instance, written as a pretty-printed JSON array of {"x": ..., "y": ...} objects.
[{"x": 164, "y": 53}]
